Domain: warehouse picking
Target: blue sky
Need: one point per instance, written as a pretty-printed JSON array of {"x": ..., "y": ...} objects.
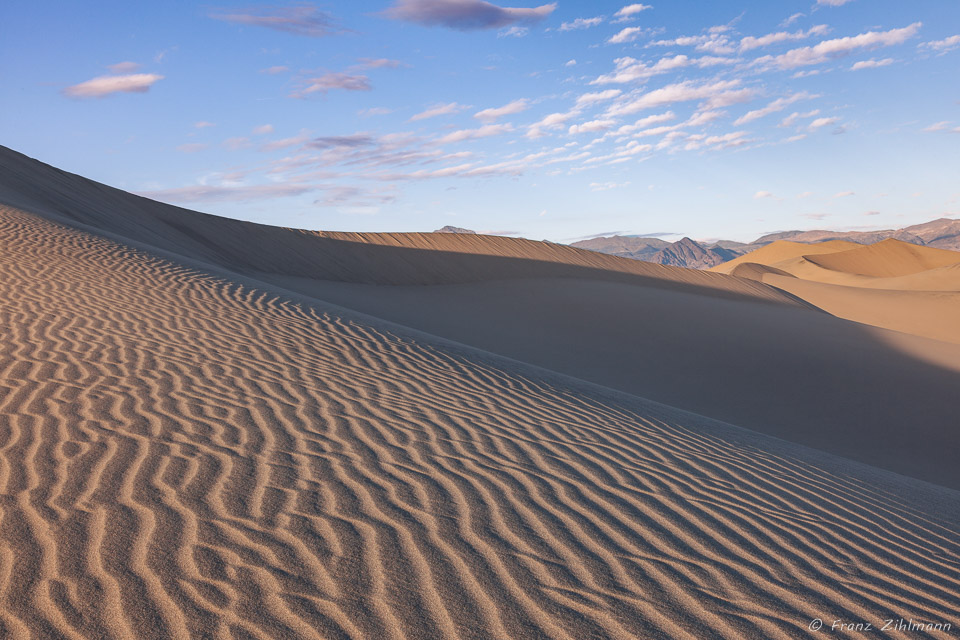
[{"x": 552, "y": 121}]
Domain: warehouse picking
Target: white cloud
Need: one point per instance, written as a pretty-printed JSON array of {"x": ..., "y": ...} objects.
[
  {"x": 762, "y": 194},
  {"x": 777, "y": 105},
  {"x": 594, "y": 126},
  {"x": 751, "y": 42},
  {"x": 793, "y": 18},
  {"x": 943, "y": 46},
  {"x": 570, "y": 63},
  {"x": 105, "y": 85},
  {"x": 203, "y": 124},
  {"x": 631, "y": 70},
  {"x": 791, "y": 119},
  {"x": 631, "y": 10},
  {"x": 703, "y": 117},
  {"x": 843, "y": 194},
  {"x": 942, "y": 126},
  {"x": 581, "y": 23},
  {"x": 628, "y": 34},
  {"x": 439, "y": 110},
  {"x": 833, "y": 3},
  {"x": 552, "y": 121},
  {"x": 263, "y": 129},
  {"x": 275, "y": 70},
  {"x": 600, "y": 96},
  {"x": 513, "y": 32},
  {"x": 871, "y": 64},
  {"x": 821, "y": 122},
  {"x": 485, "y": 131},
  {"x": 838, "y": 47},
  {"x": 714, "y": 43},
  {"x": 506, "y": 110},
  {"x": 716, "y": 94}
]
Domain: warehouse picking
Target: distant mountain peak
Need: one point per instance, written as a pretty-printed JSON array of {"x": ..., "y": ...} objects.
[{"x": 451, "y": 229}]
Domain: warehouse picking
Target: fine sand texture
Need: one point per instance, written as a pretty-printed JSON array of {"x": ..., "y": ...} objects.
[
  {"x": 183, "y": 455},
  {"x": 196, "y": 441},
  {"x": 727, "y": 347}
]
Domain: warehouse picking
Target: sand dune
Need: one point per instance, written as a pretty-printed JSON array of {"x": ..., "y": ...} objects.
[
  {"x": 369, "y": 258},
  {"x": 886, "y": 259},
  {"x": 781, "y": 250},
  {"x": 194, "y": 445},
  {"x": 187, "y": 456}
]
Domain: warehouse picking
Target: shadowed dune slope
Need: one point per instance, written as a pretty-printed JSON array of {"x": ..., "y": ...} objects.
[
  {"x": 373, "y": 258},
  {"x": 781, "y": 250},
  {"x": 864, "y": 393},
  {"x": 886, "y": 259},
  {"x": 931, "y": 314},
  {"x": 185, "y": 456}
]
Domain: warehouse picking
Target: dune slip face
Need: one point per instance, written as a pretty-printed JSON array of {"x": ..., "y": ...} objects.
[{"x": 183, "y": 456}]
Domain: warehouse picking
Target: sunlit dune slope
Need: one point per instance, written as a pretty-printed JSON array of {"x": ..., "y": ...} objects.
[
  {"x": 188, "y": 456},
  {"x": 886, "y": 259},
  {"x": 781, "y": 250}
]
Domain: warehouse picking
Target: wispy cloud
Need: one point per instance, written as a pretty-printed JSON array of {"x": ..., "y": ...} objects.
[
  {"x": 871, "y": 64},
  {"x": 942, "y": 46},
  {"x": 839, "y": 47},
  {"x": 439, "y": 110},
  {"x": 351, "y": 141},
  {"x": 275, "y": 70},
  {"x": 751, "y": 42},
  {"x": 631, "y": 10},
  {"x": 511, "y": 108},
  {"x": 263, "y": 130},
  {"x": 762, "y": 194},
  {"x": 819, "y": 123},
  {"x": 124, "y": 67},
  {"x": 632, "y": 70},
  {"x": 843, "y": 194},
  {"x": 485, "y": 131},
  {"x": 379, "y": 63},
  {"x": 777, "y": 105},
  {"x": 203, "y": 124},
  {"x": 714, "y": 94},
  {"x": 833, "y": 3},
  {"x": 594, "y": 126},
  {"x": 581, "y": 23},
  {"x": 209, "y": 193},
  {"x": 106, "y": 85},
  {"x": 302, "y": 20},
  {"x": 331, "y": 81},
  {"x": 465, "y": 15}
]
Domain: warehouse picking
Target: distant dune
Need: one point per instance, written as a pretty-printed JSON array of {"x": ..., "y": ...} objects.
[
  {"x": 195, "y": 442},
  {"x": 781, "y": 250},
  {"x": 890, "y": 284}
]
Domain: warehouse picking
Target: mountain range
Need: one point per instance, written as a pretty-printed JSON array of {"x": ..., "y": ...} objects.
[{"x": 943, "y": 233}]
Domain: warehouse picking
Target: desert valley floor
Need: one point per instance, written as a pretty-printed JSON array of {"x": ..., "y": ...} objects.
[{"x": 214, "y": 429}]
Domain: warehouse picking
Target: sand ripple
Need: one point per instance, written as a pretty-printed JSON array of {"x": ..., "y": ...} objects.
[{"x": 185, "y": 456}]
